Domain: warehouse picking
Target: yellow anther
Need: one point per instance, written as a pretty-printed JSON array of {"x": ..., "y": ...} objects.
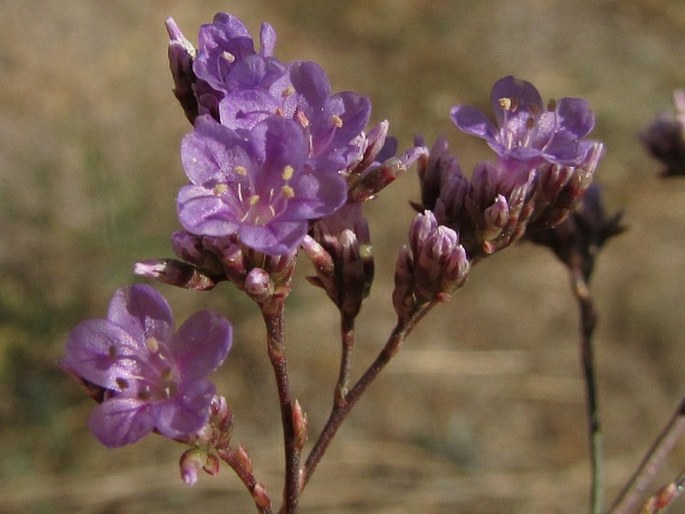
[
  {"x": 254, "y": 199},
  {"x": 240, "y": 170},
  {"x": 220, "y": 189},
  {"x": 288, "y": 191},
  {"x": 288, "y": 171},
  {"x": 288, "y": 91},
  {"x": 505, "y": 103},
  {"x": 228, "y": 56},
  {"x": 152, "y": 345},
  {"x": 337, "y": 120}
]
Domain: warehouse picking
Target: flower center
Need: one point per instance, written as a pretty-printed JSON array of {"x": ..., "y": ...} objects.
[
  {"x": 257, "y": 207},
  {"x": 153, "y": 372}
]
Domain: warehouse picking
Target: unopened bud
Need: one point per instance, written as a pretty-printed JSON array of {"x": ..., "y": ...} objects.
[
  {"x": 258, "y": 285},
  {"x": 375, "y": 179},
  {"x": 175, "y": 273},
  {"x": 181, "y": 57},
  {"x": 191, "y": 462}
]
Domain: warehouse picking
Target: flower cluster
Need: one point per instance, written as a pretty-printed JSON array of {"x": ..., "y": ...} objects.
[
  {"x": 272, "y": 148},
  {"x": 275, "y": 162},
  {"x": 542, "y": 169}
]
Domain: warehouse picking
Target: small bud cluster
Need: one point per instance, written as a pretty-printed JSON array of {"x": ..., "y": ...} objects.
[
  {"x": 664, "y": 139},
  {"x": 430, "y": 268}
]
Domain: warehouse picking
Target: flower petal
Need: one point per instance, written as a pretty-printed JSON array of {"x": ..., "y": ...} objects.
[
  {"x": 472, "y": 121},
  {"x": 211, "y": 152},
  {"x": 203, "y": 213},
  {"x": 201, "y": 344},
  {"x": 142, "y": 312},
  {"x": 276, "y": 238},
  {"x": 186, "y": 412},
  {"x": 120, "y": 421},
  {"x": 523, "y": 95},
  {"x": 94, "y": 352},
  {"x": 576, "y": 116}
]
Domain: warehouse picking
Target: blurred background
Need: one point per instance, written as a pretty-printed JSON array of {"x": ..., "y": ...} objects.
[{"x": 483, "y": 411}]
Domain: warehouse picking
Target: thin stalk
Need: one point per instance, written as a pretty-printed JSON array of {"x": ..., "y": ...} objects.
[
  {"x": 342, "y": 408},
  {"x": 629, "y": 498},
  {"x": 588, "y": 321},
  {"x": 273, "y": 314},
  {"x": 239, "y": 461},
  {"x": 347, "y": 343}
]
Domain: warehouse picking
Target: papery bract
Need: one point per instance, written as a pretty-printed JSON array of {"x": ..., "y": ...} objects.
[{"x": 153, "y": 378}]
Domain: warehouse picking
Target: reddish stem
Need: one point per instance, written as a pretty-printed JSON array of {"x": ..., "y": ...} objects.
[
  {"x": 343, "y": 406},
  {"x": 242, "y": 465},
  {"x": 273, "y": 314},
  {"x": 629, "y": 499}
]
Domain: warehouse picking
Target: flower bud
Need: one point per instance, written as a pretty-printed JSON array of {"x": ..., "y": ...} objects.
[
  {"x": 258, "y": 285},
  {"x": 181, "y": 57},
  {"x": 175, "y": 273},
  {"x": 191, "y": 462}
]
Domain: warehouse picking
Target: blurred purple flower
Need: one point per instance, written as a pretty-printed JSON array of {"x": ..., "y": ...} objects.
[
  {"x": 151, "y": 377},
  {"x": 526, "y": 133},
  {"x": 664, "y": 139},
  {"x": 255, "y": 183}
]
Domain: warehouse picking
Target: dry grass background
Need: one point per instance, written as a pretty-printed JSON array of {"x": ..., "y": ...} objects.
[{"x": 483, "y": 412}]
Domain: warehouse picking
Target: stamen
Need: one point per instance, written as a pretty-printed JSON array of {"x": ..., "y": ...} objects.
[
  {"x": 288, "y": 91},
  {"x": 505, "y": 103},
  {"x": 337, "y": 121},
  {"x": 287, "y": 173},
  {"x": 530, "y": 123},
  {"x": 240, "y": 170},
  {"x": 302, "y": 118},
  {"x": 122, "y": 383},
  {"x": 254, "y": 199},
  {"x": 220, "y": 189},
  {"x": 288, "y": 191},
  {"x": 152, "y": 345},
  {"x": 228, "y": 56}
]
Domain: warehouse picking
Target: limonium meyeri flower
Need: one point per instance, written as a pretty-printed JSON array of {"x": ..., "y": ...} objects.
[
  {"x": 150, "y": 377},
  {"x": 256, "y": 184},
  {"x": 526, "y": 132}
]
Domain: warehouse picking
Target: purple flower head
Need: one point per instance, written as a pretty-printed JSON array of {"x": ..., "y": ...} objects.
[
  {"x": 154, "y": 378},
  {"x": 255, "y": 183},
  {"x": 526, "y": 132},
  {"x": 226, "y": 57}
]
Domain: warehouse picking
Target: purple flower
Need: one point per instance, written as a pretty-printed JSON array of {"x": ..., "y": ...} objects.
[
  {"x": 226, "y": 57},
  {"x": 153, "y": 378},
  {"x": 255, "y": 183},
  {"x": 526, "y": 133}
]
